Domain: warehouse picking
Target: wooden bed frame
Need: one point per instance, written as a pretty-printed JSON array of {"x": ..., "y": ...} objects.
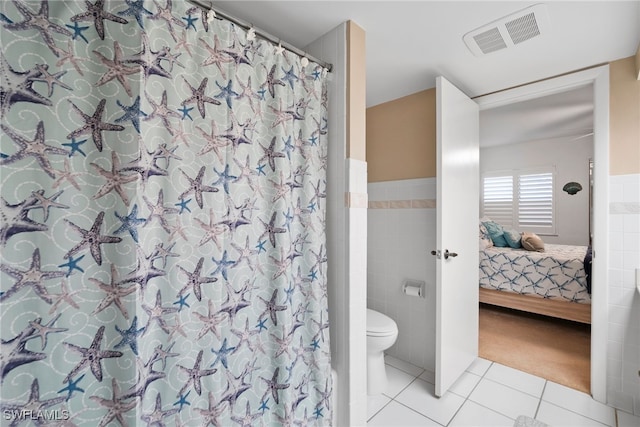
[{"x": 564, "y": 310}]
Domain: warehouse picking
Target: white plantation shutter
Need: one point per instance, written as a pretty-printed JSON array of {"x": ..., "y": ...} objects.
[
  {"x": 535, "y": 201},
  {"x": 522, "y": 200},
  {"x": 498, "y": 199}
]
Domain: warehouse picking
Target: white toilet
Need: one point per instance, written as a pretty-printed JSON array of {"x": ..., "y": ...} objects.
[{"x": 382, "y": 332}]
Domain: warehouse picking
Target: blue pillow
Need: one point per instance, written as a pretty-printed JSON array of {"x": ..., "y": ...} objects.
[
  {"x": 513, "y": 238},
  {"x": 496, "y": 232}
]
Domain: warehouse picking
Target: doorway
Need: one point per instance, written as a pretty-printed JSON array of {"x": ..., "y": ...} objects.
[{"x": 598, "y": 78}]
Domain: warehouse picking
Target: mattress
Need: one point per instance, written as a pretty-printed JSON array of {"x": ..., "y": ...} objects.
[{"x": 557, "y": 273}]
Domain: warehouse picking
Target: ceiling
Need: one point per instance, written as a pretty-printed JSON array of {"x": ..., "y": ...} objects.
[{"x": 409, "y": 43}]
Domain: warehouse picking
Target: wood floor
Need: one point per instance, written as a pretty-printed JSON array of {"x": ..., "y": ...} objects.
[{"x": 554, "y": 349}]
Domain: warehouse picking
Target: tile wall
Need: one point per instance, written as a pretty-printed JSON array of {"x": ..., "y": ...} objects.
[
  {"x": 401, "y": 233},
  {"x": 623, "y": 355}
]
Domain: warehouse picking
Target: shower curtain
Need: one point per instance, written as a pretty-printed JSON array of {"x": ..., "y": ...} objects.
[{"x": 163, "y": 220}]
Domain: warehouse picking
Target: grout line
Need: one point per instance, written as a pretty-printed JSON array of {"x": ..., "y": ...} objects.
[{"x": 540, "y": 400}]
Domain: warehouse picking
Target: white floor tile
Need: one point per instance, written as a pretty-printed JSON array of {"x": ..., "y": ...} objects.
[
  {"x": 403, "y": 366},
  {"x": 514, "y": 378},
  {"x": 627, "y": 420},
  {"x": 397, "y": 381},
  {"x": 559, "y": 417},
  {"x": 503, "y": 399},
  {"x": 465, "y": 384},
  {"x": 428, "y": 376},
  {"x": 578, "y": 402},
  {"x": 420, "y": 396},
  {"x": 395, "y": 414},
  {"x": 479, "y": 366},
  {"x": 375, "y": 403},
  {"x": 472, "y": 414}
]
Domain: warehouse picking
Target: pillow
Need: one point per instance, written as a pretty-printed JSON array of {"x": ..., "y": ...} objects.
[
  {"x": 532, "y": 242},
  {"x": 496, "y": 232},
  {"x": 485, "y": 239},
  {"x": 513, "y": 238}
]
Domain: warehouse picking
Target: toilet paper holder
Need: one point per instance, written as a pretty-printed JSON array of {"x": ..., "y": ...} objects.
[{"x": 413, "y": 288}]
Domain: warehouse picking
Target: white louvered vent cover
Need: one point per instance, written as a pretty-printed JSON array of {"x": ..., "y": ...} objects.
[{"x": 508, "y": 31}]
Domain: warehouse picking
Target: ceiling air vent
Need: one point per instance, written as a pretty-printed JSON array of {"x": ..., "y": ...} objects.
[{"x": 508, "y": 31}]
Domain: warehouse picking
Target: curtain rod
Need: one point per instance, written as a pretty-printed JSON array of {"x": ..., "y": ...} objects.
[{"x": 261, "y": 33}]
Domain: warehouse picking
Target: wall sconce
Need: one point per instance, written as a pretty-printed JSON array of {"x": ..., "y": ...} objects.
[{"x": 572, "y": 188}]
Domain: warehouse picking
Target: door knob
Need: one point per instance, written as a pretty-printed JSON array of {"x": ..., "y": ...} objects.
[
  {"x": 448, "y": 254},
  {"x": 436, "y": 253}
]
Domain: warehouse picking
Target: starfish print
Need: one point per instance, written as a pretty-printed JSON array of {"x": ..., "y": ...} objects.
[
  {"x": 274, "y": 386},
  {"x": 130, "y": 223},
  {"x": 248, "y": 420},
  {"x": 116, "y": 406},
  {"x": 222, "y": 353},
  {"x": 246, "y": 253},
  {"x": 157, "y": 312},
  {"x": 283, "y": 343},
  {"x": 17, "y": 86},
  {"x": 198, "y": 96},
  {"x": 41, "y": 331},
  {"x": 91, "y": 238},
  {"x": 146, "y": 375},
  {"x": 68, "y": 55},
  {"x": 271, "y": 81},
  {"x": 249, "y": 94},
  {"x": 45, "y": 203},
  {"x": 50, "y": 79},
  {"x": 214, "y": 142},
  {"x": 195, "y": 374},
  {"x": 245, "y": 336},
  {"x": 39, "y": 22},
  {"x": 290, "y": 76},
  {"x": 116, "y": 69},
  {"x": 77, "y": 31},
  {"x": 182, "y": 301},
  {"x": 216, "y": 56},
  {"x": 224, "y": 178},
  {"x": 66, "y": 174},
  {"x": 165, "y": 14},
  {"x": 36, "y": 148},
  {"x": 271, "y": 229},
  {"x": 162, "y": 111},
  {"x": 159, "y": 211},
  {"x": 283, "y": 264},
  {"x": 15, "y": 220},
  {"x": 159, "y": 252},
  {"x": 180, "y": 135},
  {"x": 149, "y": 60},
  {"x": 14, "y": 354},
  {"x": 130, "y": 336},
  {"x": 183, "y": 43},
  {"x": 146, "y": 164},
  {"x": 64, "y": 296},
  {"x": 270, "y": 154},
  {"x": 210, "y": 322},
  {"x": 186, "y": 112},
  {"x": 194, "y": 280},
  {"x": 227, "y": 93},
  {"x": 33, "y": 406},
  {"x": 223, "y": 265},
  {"x": 233, "y": 304},
  {"x": 211, "y": 415},
  {"x": 91, "y": 356},
  {"x": 73, "y": 265},
  {"x": 75, "y": 147},
  {"x": 114, "y": 293},
  {"x": 160, "y": 354},
  {"x": 97, "y": 13},
  {"x": 272, "y": 307},
  {"x": 211, "y": 230},
  {"x": 190, "y": 21},
  {"x": 72, "y": 387},
  {"x": 176, "y": 328},
  {"x": 34, "y": 277},
  {"x": 136, "y": 9},
  {"x": 145, "y": 270},
  {"x": 94, "y": 124},
  {"x": 132, "y": 113},
  {"x": 171, "y": 58},
  {"x": 196, "y": 187},
  {"x": 115, "y": 179},
  {"x": 182, "y": 400},
  {"x": 158, "y": 416}
]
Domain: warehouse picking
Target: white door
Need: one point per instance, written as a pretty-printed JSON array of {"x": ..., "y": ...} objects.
[{"x": 457, "y": 219}]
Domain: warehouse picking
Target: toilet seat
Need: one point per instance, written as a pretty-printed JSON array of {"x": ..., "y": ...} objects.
[{"x": 379, "y": 325}]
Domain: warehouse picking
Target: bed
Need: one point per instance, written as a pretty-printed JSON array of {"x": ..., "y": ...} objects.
[{"x": 553, "y": 283}]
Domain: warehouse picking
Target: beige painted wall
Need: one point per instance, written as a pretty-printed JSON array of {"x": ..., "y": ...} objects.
[
  {"x": 401, "y": 138},
  {"x": 356, "y": 92},
  {"x": 401, "y": 134},
  {"x": 624, "y": 123}
]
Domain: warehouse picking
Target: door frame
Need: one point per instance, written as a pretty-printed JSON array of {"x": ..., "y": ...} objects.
[{"x": 599, "y": 78}]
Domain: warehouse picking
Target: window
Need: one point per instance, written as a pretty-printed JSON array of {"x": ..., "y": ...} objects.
[{"x": 520, "y": 199}]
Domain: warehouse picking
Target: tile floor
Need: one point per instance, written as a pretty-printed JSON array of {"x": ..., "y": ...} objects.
[{"x": 488, "y": 394}]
